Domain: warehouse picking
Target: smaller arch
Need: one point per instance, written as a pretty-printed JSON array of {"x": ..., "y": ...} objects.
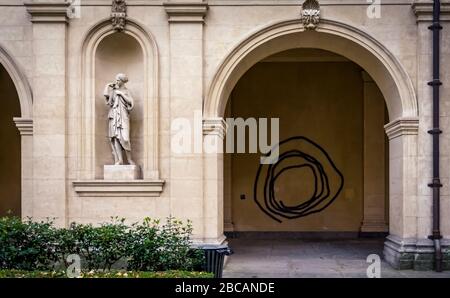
[
  {"x": 20, "y": 82},
  {"x": 147, "y": 42}
]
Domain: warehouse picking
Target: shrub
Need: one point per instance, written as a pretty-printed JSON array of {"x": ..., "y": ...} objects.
[
  {"x": 27, "y": 245},
  {"x": 156, "y": 247},
  {"x": 100, "y": 247},
  {"x": 146, "y": 246},
  {"x": 176, "y": 246},
  {"x": 143, "y": 246}
]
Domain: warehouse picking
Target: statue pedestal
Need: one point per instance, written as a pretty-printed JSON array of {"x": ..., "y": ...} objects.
[{"x": 121, "y": 172}]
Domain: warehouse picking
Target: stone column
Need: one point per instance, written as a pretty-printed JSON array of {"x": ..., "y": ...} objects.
[
  {"x": 186, "y": 20},
  {"x": 25, "y": 127},
  {"x": 399, "y": 245},
  {"x": 228, "y": 185},
  {"x": 228, "y": 193},
  {"x": 214, "y": 132},
  {"x": 374, "y": 156},
  {"x": 49, "y": 109}
]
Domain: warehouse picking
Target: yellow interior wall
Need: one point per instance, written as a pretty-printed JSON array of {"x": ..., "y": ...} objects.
[
  {"x": 319, "y": 100},
  {"x": 10, "y": 147}
]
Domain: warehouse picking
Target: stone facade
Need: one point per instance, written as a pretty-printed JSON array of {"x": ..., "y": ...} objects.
[{"x": 187, "y": 56}]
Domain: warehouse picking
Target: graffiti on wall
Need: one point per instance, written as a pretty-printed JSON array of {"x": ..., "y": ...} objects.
[{"x": 297, "y": 153}]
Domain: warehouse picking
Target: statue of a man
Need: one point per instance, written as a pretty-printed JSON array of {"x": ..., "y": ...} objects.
[{"x": 119, "y": 99}]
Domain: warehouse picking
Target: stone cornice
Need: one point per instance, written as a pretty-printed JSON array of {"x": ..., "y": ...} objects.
[
  {"x": 194, "y": 12},
  {"x": 24, "y": 125},
  {"x": 214, "y": 126},
  {"x": 424, "y": 11},
  {"x": 48, "y": 12},
  {"x": 118, "y": 188},
  {"x": 402, "y": 126}
]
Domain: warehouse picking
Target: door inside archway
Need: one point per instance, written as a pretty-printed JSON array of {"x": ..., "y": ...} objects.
[
  {"x": 10, "y": 150},
  {"x": 332, "y": 178}
]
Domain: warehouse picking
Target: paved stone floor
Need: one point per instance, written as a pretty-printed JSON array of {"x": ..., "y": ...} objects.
[{"x": 307, "y": 258}]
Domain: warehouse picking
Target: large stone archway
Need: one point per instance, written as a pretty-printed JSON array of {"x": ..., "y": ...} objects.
[
  {"x": 359, "y": 47},
  {"x": 24, "y": 124}
]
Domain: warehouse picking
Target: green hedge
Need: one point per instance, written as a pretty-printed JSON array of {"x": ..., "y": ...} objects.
[
  {"x": 108, "y": 274},
  {"x": 146, "y": 246}
]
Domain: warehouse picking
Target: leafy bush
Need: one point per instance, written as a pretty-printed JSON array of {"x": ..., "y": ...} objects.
[
  {"x": 26, "y": 245},
  {"x": 155, "y": 247},
  {"x": 100, "y": 247},
  {"x": 146, "y": 246},
  {"x": 143, "y": 246}
]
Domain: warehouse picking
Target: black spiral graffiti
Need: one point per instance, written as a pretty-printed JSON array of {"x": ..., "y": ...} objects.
[{"x": 323, "y": 194}]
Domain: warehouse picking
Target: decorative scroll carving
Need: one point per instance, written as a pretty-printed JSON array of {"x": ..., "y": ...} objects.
[
  {"x": 310, "y": 14},
  {"x": 119, "y": 14}
]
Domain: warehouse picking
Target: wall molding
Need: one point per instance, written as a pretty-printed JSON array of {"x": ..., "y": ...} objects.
[
  {"x": 186, "y": 12},
  {"x": 119, "y": 188},
  {"x": 24, "y": 125},
  {"x": 424, "y": 11},
  {"x": 402, "y": 126},
  {"x": 48, "y": 12},
  {"x": 214, "y": 126}
]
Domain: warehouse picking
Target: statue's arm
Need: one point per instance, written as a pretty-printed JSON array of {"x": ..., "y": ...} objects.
[
  {"x": 107, "y": 93},
  {"x": 128, "y": 98}
]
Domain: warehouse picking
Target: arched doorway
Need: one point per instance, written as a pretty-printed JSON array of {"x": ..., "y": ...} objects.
[
  {"x": 16, "y": 132},
  {"x": 360, "y": 48},
  {"x": 306, "y": 194},
  {"x": 10, "y": 161}
]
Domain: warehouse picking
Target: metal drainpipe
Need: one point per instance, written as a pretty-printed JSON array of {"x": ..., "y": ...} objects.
[{"x": 435, "y": 132}]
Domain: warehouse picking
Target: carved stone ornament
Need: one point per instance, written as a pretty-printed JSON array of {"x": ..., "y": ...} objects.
[
  {"x": 310, "y": 14},
  {"x": 119, "y": 14}
]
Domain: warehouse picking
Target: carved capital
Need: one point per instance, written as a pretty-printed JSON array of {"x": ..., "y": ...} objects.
[
  {"x": 214, "y": 126},
  {"x": 24, "y": 125},
  {"x": 186, "y": 12},
  {"x": 424, "y": 11},
  {"x": 402, "y": 126},
  {"x": 48, "y": 12}
]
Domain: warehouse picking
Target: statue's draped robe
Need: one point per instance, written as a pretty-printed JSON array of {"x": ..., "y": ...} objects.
[{"x": 119, "y": 118}]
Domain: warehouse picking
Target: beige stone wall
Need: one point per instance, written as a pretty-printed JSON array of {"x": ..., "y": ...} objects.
[
  {"x": 16, "y": 34},
  {"x": 182, "y": 58},
  {"x": 323, "y": 101}
]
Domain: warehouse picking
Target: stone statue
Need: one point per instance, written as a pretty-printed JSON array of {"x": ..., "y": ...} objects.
[{"x": 119, "y": 99}]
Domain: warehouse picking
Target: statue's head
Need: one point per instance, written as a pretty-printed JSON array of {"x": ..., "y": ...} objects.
[{"x": 121, "y": 79}]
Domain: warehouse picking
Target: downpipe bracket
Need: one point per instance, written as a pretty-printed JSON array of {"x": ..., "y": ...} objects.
[
  {"x": 435, "y": 26},
  {"x": 435, "y": 82},
  {"x": 435, "y": 131}
]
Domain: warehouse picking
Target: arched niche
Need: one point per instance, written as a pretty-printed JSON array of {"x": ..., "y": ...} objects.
[
  {"x": 118, "y": 53},
  {"x": 105, "y": 53}
]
